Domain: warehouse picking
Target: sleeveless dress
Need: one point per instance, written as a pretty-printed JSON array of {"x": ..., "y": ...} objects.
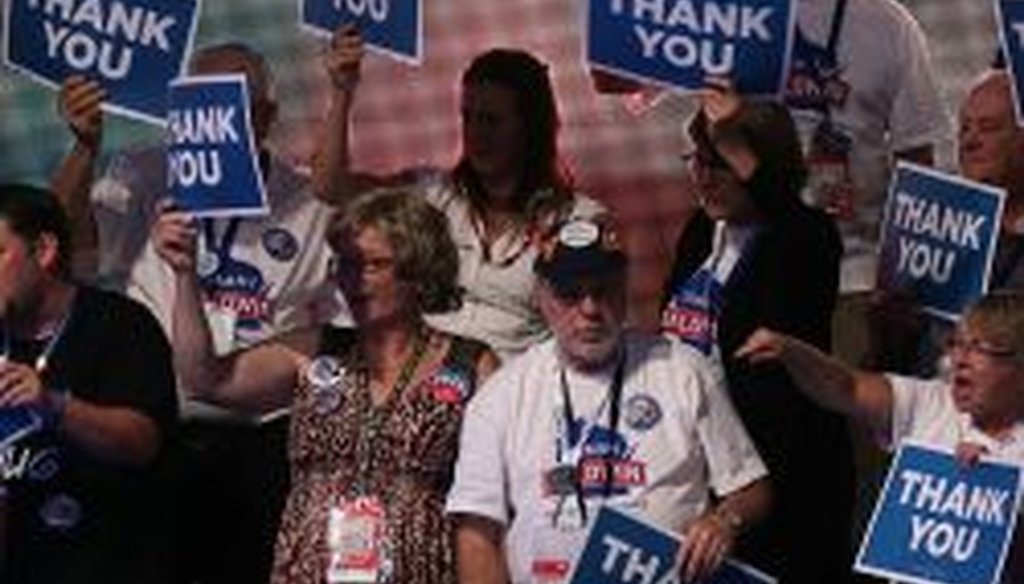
[{"x": 412, "y": 464}]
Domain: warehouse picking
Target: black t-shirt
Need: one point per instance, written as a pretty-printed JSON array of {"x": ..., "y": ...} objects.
[{"x": 73, "y": 518}]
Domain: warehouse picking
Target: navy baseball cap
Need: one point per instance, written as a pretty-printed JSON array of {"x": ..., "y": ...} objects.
[{"x": 579, "y": 248}]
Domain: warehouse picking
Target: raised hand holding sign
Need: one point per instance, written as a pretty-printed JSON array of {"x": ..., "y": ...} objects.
[
  {"x": 132, "y": 48},
  {"x": 680, "y": 43},
  {"x": 393, "y": 27},
  {"x": 212, "y": 163}
]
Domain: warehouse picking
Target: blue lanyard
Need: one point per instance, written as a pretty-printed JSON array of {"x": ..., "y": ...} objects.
[{"x": 614, "y": 398}]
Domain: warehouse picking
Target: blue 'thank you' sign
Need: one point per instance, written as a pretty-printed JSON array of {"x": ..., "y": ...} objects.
[
  {"x": 132, "y": 48},
  {"x": 621, "y": 549},
  {"x": 682, "y": 42},
  {"x": 16, "y": 423},
  {"x": 940, "y": 522},
  {"x": 938, "y": 238},
  {"x": 212, "y": 165},
  {"x": 1010, "y": 19},
  {"x": 394, "y": 27}
]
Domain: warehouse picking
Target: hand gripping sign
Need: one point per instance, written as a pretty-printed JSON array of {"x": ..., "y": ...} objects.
[
  {"x": 133, "y": 48},
  {"x": 938, "y": 238},
  {"x": 940, "y": 522},
  {"x": 1010, "y": 20},
  {"x": 680, "y": 43},
  {"x": 212, "y": 164},
  {"x": 393, "y": 27},
  {"x": 622, "y": 549}
]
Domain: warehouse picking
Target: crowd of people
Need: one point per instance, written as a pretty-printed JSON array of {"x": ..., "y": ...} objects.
[{"x": 435, "y": 382}]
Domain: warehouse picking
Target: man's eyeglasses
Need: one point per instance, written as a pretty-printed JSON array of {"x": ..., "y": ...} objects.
[{"x": 974, "y": 346}]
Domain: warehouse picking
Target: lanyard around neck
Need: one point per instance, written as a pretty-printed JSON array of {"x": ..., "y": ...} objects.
[{"x": 573, "y": 454}]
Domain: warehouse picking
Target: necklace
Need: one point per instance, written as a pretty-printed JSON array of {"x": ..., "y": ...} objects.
[
  {"x": 42, "y": 361},
  {"x": 373, "y": 417}
]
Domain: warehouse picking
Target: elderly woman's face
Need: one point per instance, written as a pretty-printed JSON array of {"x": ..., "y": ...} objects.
[
  {"x": 365, "y": 270},
  {"x": 720, "y": 189},
  {"x": 987, "y": 376}
]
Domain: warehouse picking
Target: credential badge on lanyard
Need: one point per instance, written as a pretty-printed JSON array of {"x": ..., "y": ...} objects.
[{"x": 355, "y": 542}]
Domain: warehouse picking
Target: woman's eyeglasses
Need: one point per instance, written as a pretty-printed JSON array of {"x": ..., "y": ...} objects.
[{"x": 975, "y": 346}]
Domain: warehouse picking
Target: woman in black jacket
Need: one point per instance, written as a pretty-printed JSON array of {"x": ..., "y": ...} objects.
[{"x": 754, "y": 255}]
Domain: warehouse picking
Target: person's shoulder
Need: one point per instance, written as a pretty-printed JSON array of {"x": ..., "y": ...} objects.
[
  {"x": 113, "y": 307},
  {"x": 653, "y": 349},
  {"x": 806, "y": 225},
  {"x": 882, "y": 15},
  {"x": 466, "y": 346},
  {"x": 584, "y": 205},
  {"x": 517, "y": 376}
]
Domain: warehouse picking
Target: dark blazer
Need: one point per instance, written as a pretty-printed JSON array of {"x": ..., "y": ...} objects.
[{"x": 787, "y": 280}]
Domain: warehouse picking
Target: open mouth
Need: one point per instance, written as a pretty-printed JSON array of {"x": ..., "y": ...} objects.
[{"x": 961, "y": 391}]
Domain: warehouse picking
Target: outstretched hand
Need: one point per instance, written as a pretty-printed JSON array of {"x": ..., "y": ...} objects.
[{"x": 762, "y": 345}]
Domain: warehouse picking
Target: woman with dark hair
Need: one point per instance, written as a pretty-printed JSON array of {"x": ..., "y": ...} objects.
[
  {"x": 376, "y": 409},
  {"x": 754, "y": 255},
  {"x": 508, "y": 186}
]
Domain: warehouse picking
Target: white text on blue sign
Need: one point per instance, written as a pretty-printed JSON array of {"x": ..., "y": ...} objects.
[
  {"x": 117, "y": 26},
  {"x": 944, "y": 511},
  {"x": 924, "y": 222},
  {"x": 210, "y": 125},
  {"x": 676, "y": 30}
]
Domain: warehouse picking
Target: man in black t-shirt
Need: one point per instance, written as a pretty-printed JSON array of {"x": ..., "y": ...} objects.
[{"x": 86, "y": 402}]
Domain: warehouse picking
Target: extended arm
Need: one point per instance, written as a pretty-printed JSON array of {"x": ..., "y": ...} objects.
[
  {"x": 862, "y": 395},
  {"x": 334, "y": 181},
  {"x": 709, "y": 539},
  {"x": 79, "y": 105},
  {"x": 258, "y": 379},
  {"x": 479, "y": 551}
]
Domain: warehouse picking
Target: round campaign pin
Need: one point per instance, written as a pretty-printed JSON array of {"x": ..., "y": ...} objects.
[
  {"x": 61, "y": 512},
  {"x": 207, "y": 263},
  {"x": 642, "y": 412},
  {"x": 325, "y": 375},
  {"x": 579, "y": 233},
  {"x": 280, "y": 244}
]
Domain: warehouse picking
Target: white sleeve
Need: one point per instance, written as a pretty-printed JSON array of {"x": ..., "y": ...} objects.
[
  {"x": 481, "y": 478},
  {"x": 151, "y": 282},
  {"x": 914, "y": 402},
  {"x": 918, "y": 116},
  {"x": 733, "y": 461}
]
